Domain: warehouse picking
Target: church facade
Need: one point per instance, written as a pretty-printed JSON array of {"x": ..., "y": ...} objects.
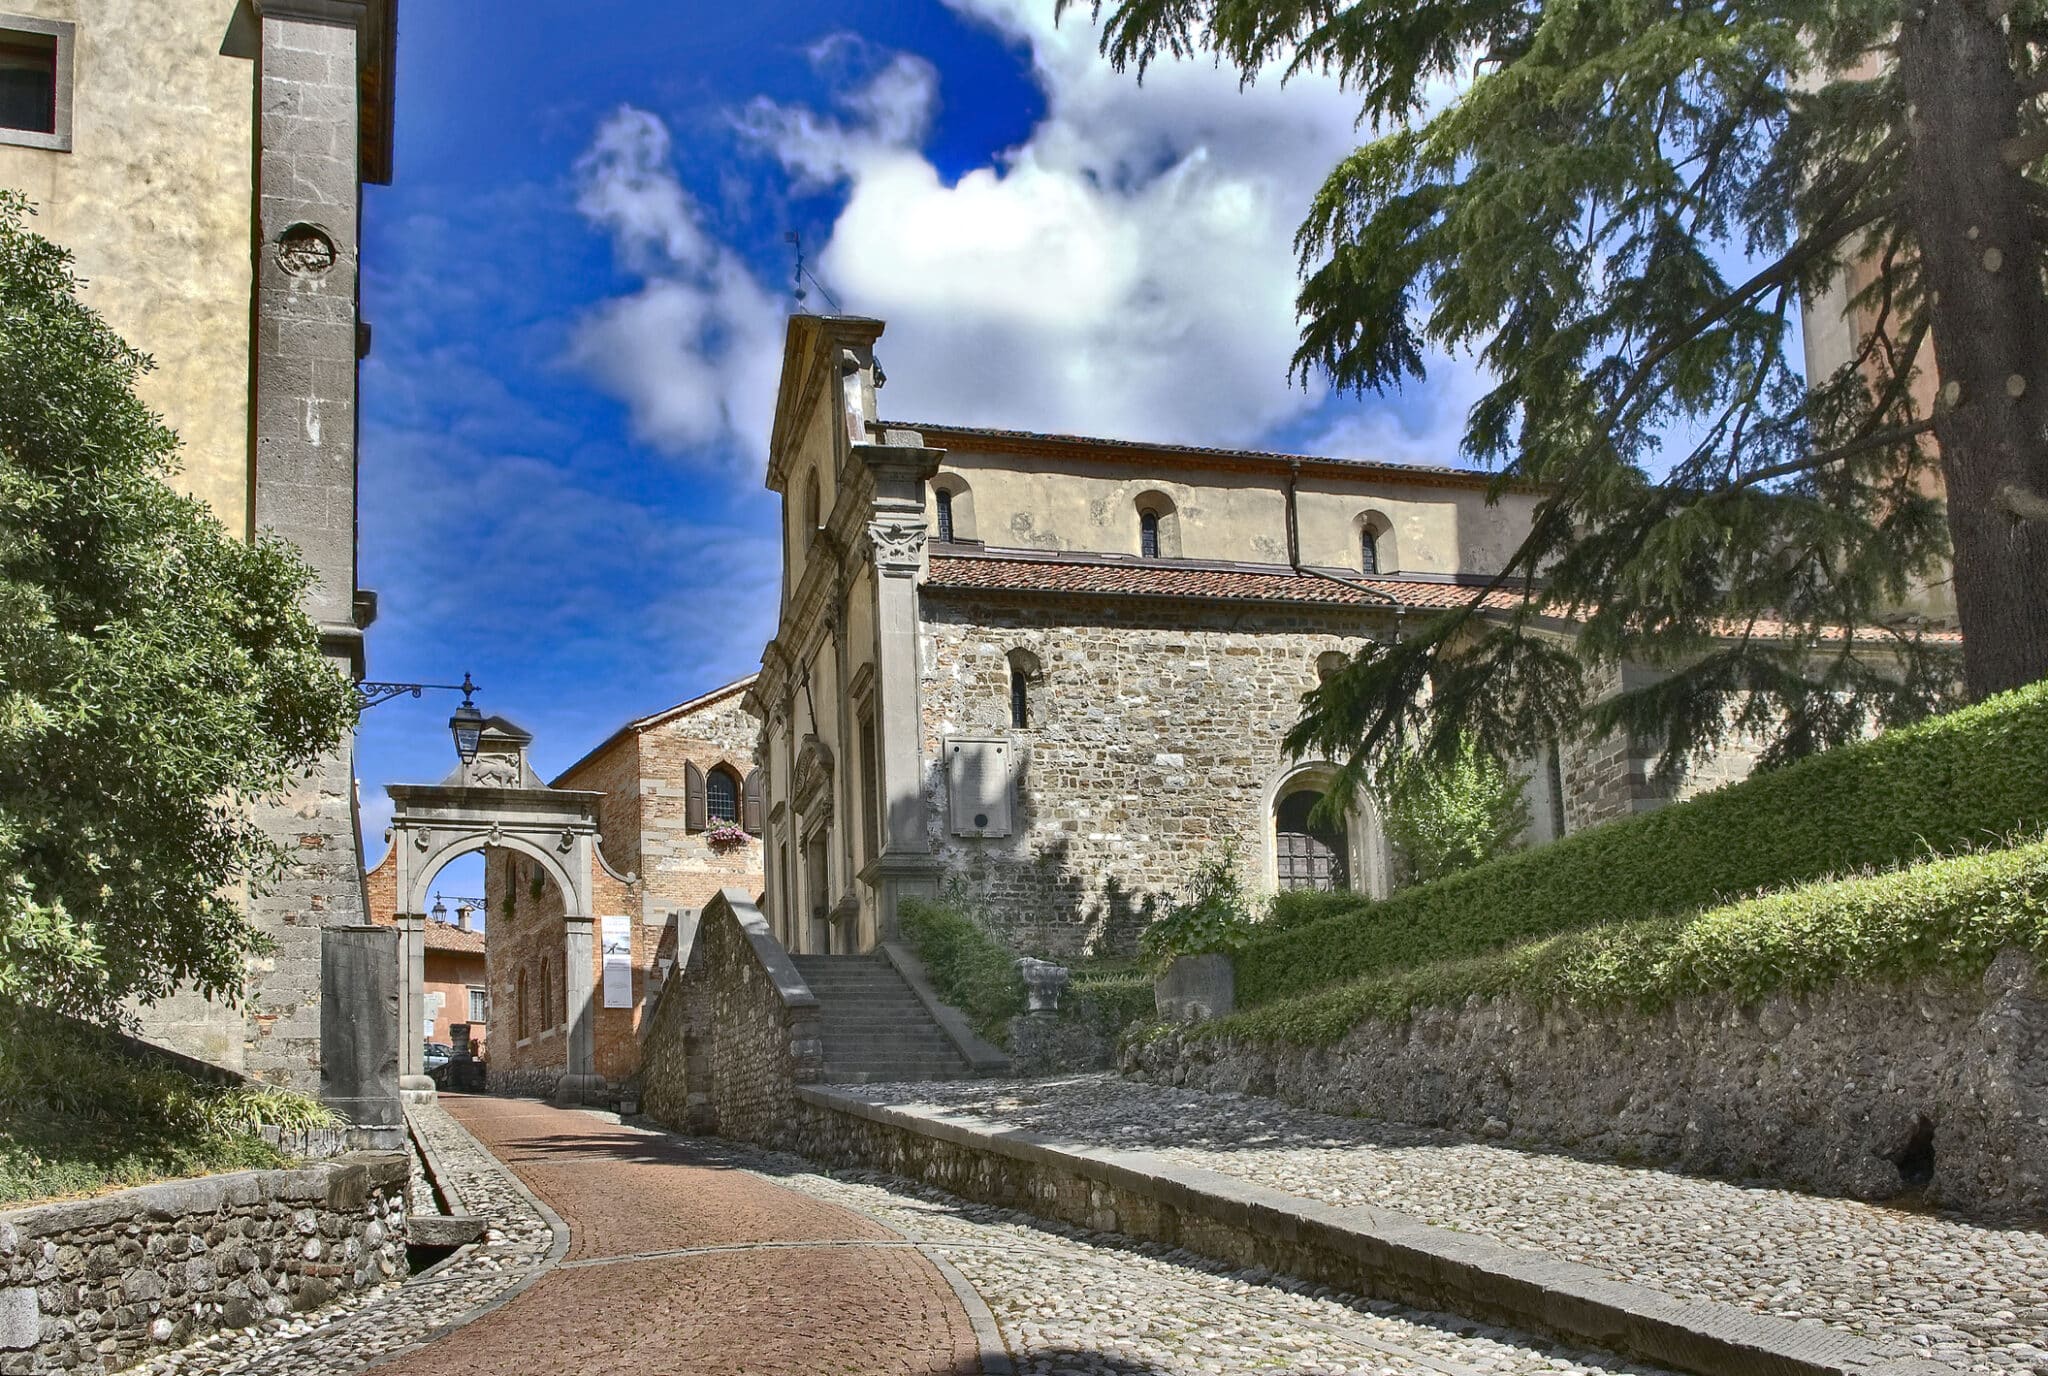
[{"x": 1050, "y": 674}]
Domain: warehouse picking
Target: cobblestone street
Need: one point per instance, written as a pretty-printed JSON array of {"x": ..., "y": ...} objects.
[
  {"x": 1918, "y": 1283},
  {"x": 697, "y": 1256}
]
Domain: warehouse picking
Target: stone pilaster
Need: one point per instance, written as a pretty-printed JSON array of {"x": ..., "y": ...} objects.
[
  {"x": 304, "y": 485},
  {"x": 896, "y": 539},
  {"x": 581, "y": 1082}
]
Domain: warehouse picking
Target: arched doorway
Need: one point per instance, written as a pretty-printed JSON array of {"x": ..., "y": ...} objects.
[
  {"x": 1308, "y": 854},
  {"x": 1305, "y": 853}
]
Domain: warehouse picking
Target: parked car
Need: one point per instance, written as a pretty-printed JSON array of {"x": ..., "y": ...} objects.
[{"x": 438, "y": 1055}]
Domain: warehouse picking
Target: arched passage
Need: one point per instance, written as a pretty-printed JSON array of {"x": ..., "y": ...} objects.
[{"x": 496, "y": 802}]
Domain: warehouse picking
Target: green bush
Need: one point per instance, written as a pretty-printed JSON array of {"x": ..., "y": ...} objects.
[
  {"x": 969, "y": 968},
  {"x": 1215, "y": 914},
  {"x": 1942, "y": 786},
  {"x": 1443, "y": 818},
  {"x": 80, "y": 1111},
  {"x": 1291, "y": 908},
  {"x": 1946, "y": 916},
  {"x": 1114, "y": 1000}
]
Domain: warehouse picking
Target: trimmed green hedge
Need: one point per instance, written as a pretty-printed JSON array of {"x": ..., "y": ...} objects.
[
  {"x": 1948, "y": 916},
  {"x": 969, "y": 969},
  {"x": 1947, "y": 784}
]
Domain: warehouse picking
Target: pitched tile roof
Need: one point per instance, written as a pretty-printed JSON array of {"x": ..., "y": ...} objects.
[
  {"x": 1203, "y": 581},
  {"x": 446, "y": 936},
  {"x": 1098, "y": 576}
]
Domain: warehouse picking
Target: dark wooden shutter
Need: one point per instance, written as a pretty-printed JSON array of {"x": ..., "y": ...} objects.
[
  {"x": 693, "y": 797},
  {"x": 753, "y": 810}
]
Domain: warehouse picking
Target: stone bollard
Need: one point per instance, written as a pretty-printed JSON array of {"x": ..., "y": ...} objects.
[
  {"x": 1044, "y": 982},
  {"x": 1196, "y": 988}
]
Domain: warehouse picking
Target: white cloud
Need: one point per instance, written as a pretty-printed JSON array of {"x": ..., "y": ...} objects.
[
  {"x": 695, "y": 352},
  {"x": 1128, "y": 270}
]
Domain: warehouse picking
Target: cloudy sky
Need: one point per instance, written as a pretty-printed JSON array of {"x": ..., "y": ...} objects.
[{"x": 579, "y": 280}]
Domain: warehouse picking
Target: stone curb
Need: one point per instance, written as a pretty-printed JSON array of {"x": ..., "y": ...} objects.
[
  {"x": 343, "y": 1182},
  {"x": 1392, "y": 1256},
  {"x": 456, "y": 1228}
]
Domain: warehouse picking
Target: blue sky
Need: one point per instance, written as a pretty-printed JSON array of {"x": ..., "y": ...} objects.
[{"x": 578, "y": 281}]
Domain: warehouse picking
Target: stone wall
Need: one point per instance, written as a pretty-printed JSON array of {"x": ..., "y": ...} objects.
[
  {"x": 1861, "y": 1090},
  {"x": 1154, "y": 739},
  {"x": 734, "y": 1034},
  {"x": 95, "y": 1285}
]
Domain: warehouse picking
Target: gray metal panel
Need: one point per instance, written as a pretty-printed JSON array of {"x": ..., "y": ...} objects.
[{"x": 978, "y": 785}]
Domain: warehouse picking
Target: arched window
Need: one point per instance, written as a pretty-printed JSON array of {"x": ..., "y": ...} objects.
[
  {"x": 721, "y": 795},
  {"x": 1025, "y": 673},
  {"x": 945, "y": 505},
  {"x": 547, "y": 995},
  {"x": 1308, "y": 855},
  {"x": 521, "y": 1016},
  {"x": 1376, "y": 553},
  {"x": 1328, "y": 663},
  {"x": 1158, "y": 526}
]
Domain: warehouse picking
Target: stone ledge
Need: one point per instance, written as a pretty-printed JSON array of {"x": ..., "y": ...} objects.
[
  {"x": 344, "y": 1182},
  {"x": 1366, "y": 1250}
]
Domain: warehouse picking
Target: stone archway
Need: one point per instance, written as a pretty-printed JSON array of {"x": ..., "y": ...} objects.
[
  {"x": 1357, "y": 850},
  {"x": 496, "y": 801}
]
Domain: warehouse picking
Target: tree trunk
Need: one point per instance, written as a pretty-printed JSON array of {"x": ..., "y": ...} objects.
[{"x": 1989, "y": 329}]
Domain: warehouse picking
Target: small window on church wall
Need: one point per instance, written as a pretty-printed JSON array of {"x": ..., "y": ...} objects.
[
  {"x": 1148, "y": 534},
  {"x": 1369, "y": 550},
  {"x": 945, "y": 505},
  {"x": 1020, "y": 698},
  {"x": 721, "y": 796},
  {"x": 28, "y": 82}
]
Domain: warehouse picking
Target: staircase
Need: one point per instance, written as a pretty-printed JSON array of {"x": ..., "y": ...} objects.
[{"x": 876, "y": 1029}]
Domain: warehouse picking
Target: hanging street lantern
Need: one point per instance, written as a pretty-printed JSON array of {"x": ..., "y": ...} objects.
[{"x": 467, "y": 725}]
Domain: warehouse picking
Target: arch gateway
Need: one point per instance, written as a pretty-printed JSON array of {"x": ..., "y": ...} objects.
[{"x": 496, "y": 801}]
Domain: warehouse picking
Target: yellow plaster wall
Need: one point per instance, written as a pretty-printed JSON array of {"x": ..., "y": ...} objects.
[
  {"x": 1036, "y": 501},
  {"x": 156, "y": 201}
]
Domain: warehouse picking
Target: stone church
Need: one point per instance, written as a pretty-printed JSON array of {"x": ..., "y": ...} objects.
[{"x": 1051, "y": 673}]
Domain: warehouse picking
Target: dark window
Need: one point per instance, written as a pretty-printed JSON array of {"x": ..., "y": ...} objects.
[
  {"x": 28, "y": 82},
  {"x": 1308, "y": 857},
  {"x": 520, "y": 1023},
  {"x": 945, "y": 517},
  {"x": 871, "y": 788},
  {"x": 721, "y": 796},
  {"x": 1369, "y": 550},
  {"x": 1148, "y": 534},
  {"x": 1020, "y": 698}
]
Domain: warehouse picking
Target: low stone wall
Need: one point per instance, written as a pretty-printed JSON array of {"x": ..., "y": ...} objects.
[
  {"x": 737, "y": 1031},
  {"x": 1861, "y": 1090},
  {"x": 1360, "y": 1249},
  {"x": 94, "y": 1285}
]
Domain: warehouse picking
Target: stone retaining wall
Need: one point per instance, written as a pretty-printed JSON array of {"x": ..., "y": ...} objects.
[
  {"x": 94, "y": 1285},
  {"x": 1860, "y": 1090},
  {"x": 736, "y": 1032}
]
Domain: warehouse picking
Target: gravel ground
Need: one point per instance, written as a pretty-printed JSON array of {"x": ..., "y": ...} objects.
[
  {"x": 1071, "y": 1301},
  {"x": 1975, "y": 1297},
  {"x": 358, "y": 1329}
]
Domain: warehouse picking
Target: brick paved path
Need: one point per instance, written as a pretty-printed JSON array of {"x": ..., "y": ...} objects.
[{"x": 680, "y": 1263}]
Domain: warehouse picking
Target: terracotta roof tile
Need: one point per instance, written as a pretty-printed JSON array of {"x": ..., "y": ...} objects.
[
  {"x": 1209, "y": 582},
  {"x": 446, "y": 936}
]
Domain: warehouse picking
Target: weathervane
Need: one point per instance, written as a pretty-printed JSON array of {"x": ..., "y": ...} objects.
[{"x": 795, "y": 241}]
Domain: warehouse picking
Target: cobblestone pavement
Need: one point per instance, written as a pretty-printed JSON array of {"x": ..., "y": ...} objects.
[
  {"x": 357, "y": 1330},
  {"x": 1975, "y": 1297},
  {"x": 1070, "y": 1301}
]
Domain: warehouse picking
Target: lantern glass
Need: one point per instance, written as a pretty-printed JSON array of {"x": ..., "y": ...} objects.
[{"x": 467, "y": 726}]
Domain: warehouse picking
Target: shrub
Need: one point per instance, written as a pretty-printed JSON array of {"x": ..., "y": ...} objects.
[
  {"x": 1443, "y": 818},
  {"x": 969, "y": 968},
  {"x": 1938, "y": 787},
  {"x": 1214, "y": 915},
  {"x": 80, "y": 1110},
  {"x": 1116, "y": 1000},
  {"x": 1946, "y": 916},
  {"x": 1291, "y": 908}
]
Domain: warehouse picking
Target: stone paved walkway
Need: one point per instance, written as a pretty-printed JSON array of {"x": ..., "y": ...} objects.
[{"x": 1975, "y": 1297}]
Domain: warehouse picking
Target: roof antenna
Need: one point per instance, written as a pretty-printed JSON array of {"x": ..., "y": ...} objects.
[{"x": 795, "y": 241}]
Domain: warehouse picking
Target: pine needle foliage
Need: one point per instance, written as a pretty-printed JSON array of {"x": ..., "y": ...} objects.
[
  {"x": 1618, "y": 210},
  {"x": 157, "y": 675}
]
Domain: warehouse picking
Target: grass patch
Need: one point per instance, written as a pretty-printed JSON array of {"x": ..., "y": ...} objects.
[
  {"x": 969, "y": 968},
  {"x": 80, "y": 1113},
  {"x": 1945, "y": 785},
  {"x": 1950, "y": 917}
]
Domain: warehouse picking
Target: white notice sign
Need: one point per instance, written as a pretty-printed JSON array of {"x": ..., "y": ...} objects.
[{"x": 617, "y": 934}]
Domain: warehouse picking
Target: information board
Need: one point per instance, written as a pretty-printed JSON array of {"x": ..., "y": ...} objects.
[{"x": 617, "y": 935}]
